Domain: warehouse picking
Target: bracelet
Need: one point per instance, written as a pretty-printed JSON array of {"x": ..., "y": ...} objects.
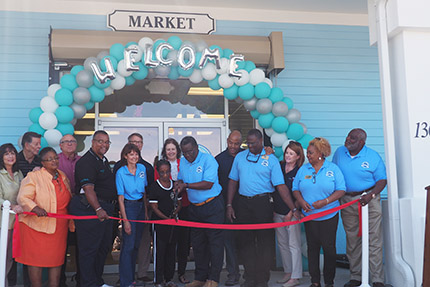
[
  {"x": 295, "y": 209},
  {"x": 98, "y": 208},
  {"x": 327, "y": 200},
  {"x": 229, "y": 204}
]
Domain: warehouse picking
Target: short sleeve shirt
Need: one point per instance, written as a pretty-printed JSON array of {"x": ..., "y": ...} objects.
[
  {"x": 91, "y": 169},
  {"x": 164, "y": 197},
  {"x": 318, "y": 186},
  {"x": 256, "y": 174},
  {"x": 203, "y": 168},
  {"x": 25, "y": 166},
  {"x": 279, "y": 206},
  {"x": 361, "y": 171},
  {"x": 131, "y": 186}
]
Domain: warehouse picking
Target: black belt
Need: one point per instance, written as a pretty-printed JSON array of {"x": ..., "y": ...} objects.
[
  {"x": 111, "y": 201},
  {"x": 255, "y": 196},
  {"x": 134, "y": 200},
  {"x": 355, "y": 193}
]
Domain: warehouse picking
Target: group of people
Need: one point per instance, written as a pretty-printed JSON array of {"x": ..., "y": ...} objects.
[{"x": 235, "y": 187}]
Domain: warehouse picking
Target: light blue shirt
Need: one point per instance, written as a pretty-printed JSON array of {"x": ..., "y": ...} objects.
[
  {"x": 318, "y": 186},
  {"x": 203, "y": 168},
  {"x": 129, "y": 185},
  {"x": 256, "y": 174},
  {"x": 361, "y": 171}
]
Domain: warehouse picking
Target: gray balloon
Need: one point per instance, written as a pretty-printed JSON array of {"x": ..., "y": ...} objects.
[
  {"x": 79, "y": 110},
  {"x": 305, "y": 128},
  {"x": 102, "y": 54},
  {"x": 250, "y": 104},
  {"x": 294, "y": 116},
  {"x": 280, "y": 109},
  {"x": 81, "y": 96},
  {"x": 88, "y": 61},
  {"x": 85, "y": 78},
  {"x": 264, "y": 106}
]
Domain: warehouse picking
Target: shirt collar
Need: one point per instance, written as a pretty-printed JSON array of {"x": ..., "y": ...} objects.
[
  {"x": 97, "y": 157},
  {"x": 359, "y": 154}
]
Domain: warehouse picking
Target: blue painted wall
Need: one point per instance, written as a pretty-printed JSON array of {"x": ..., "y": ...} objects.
[{"x": 331, "y": 73}]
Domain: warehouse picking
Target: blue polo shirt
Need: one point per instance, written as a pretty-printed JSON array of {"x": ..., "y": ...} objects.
[
  {"x": 317, "y": 186},
  {"x": 361, "y": 171},
  {"x": 203, "y": 168},
  {"x": 256, "y": 174},
  {"x": 129, "y": 185}
]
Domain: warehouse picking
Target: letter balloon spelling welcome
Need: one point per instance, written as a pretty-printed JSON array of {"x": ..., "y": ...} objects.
[{"x": 122, "y": 65}]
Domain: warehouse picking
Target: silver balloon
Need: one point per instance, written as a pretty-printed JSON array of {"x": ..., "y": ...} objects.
[
  {"x": 269, "y": 132},
  {"x": 102, "y": 54},
  {"x": 79, "y": 110},
  {"x": 264, "y": 106},
  {"x": 280, "y": 109},
  {"x": 148, "y": 57},
  {"x": 173, "y": 55},
  {"x": 278, "y": 139},
  {"x": 88, "y": 61},
  {"x": 108, "y": 91},
  {"x": 159, "y": 54},
  {"x": 162, "y": 71},
  {"x": 85, "y": 79},
  {"x": 305, "y": 128},
  {"x": 233, "y": 65},
  {"x": 81, "y": 96},
  {"x": 250, "y": 104},
  {"x": 129, "y": 58},
  {"x": 210, "y": 54},
  {"x": 102, "y": 77},
  {"x": 191, "y": 57},
  {"x": 201, "y": 45},
  {"x": 294, "y": 116}
]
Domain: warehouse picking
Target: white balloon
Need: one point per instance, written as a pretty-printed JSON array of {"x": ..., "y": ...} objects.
[
  {"x": 88, "y": 61},
  {"x": 269, "y": 132},
  {"x": 137, "y": 57},
  {"x": 305, "y": 128},
  {"x": 79, "y": 110},
  {"x": 122, "y": 69},
  {"x": 242, "y": 80},
  {"x": 102, "y": 54},
  {"x": 201, "y": 45},
  {"x": 294, "y": 116},
  {"x": 53, "y": 137},
  {"x": 162, "y": 70},
  {"x": 209, "y": 71},
  {"x": 144, "y": 41},
  {"x": 256, "y": 76},
  {"x": 196, "y": 77},
  {"x": 225, "y": 66},
  {"x": 52, "y": 89},
  {"x": 278, "y": 139},
  {"x": 225, "y": 81},
  {"x": 48, "y": 104},
  {"x": 285, "y": 144},
  {"x": 268, "y": 81},
  {"x": 118, "y": 83},
  {"x": 48, "y": 121},
  {"x": 108, "y": 91},
  {"x": 264, "y": 106},
  {"x": 173, "y": 56}
]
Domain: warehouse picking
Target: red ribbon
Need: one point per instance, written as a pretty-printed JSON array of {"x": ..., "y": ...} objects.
[{"x": 16, "y": 239}]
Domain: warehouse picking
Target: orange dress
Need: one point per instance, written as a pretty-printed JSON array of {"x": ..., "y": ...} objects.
[{"x": 47, "y": 250}]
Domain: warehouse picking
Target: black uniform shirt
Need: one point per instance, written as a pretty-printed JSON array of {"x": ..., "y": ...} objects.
[
  {"x": 225, "y": 162},
  {"x": 279, "y": 205},
  {"x": 163, "y": 197},
  {"x": 25, "y": 166}
]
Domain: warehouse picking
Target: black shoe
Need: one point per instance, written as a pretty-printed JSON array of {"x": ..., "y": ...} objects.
[
  {"x": 145, "y": 279},
  {"x": 231, "y": 281},
  {"x": 378, "y": 284},
  {"x": 315, "y": 285},
  {"x": 352, "y": 283}
]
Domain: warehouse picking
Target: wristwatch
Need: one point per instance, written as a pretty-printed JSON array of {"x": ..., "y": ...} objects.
[{"x": 373, "y": 195}]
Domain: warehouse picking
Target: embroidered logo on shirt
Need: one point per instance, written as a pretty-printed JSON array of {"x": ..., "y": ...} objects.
[
  {"x": 265, "y": 157},
  {"x": 199, "y": 169},
  {"x": 142, "y": 174},
  {"x": 329, "y": 173},
  {"x": 265, "y": 163},
  {"x": 365, "y": 164},
  {"x": 308, "y": 176}
]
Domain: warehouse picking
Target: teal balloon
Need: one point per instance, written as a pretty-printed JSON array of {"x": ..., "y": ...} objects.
[
  {"x": 131, "y": 43},
  {"x": 255, "y": 114},
  {"x": 64, "y": 97},
  {"x": 64, "y": 114},
  {"x": 142, "y": 73},
  {"x": 117, "y": 51},
  {"x": 228, "y": 53},
  {"x": 295, "y": 131},
  {"x": 66, "y": 129},
  {"x": 89, "y": 105},
  {"x": 112, "y": 59},
  {"x": 276, "y": 95},
  {"x": 97, "y": 95},
  {"x": 173, "y": 74},
  {"x": 265, "y": 121},
  {"x": 129, "y": 81},
  {"x": 280, "y": 124},
  {"x": 231, "y": 93},
  {"x": 184, "y": 73},
  {"x": 281, "y": 158},
  {"x": 34, "y": 114},
  {"x": 214, "y": 84},
  {"x": 305, "y": 139},
  {"x": 246, "y": 92},
  {"x": 36, "y": 128},
  {"x": 198, "y": 58},
  {"x": 221, "y": 52},
  {"x": 278, "y": 151},
  {"x": 43, "y": 143},
  {"x": 249, "y": 66},
  {"x": 100, "y": 85},
  {"x": 69, "y": 82},
  {"x": 76, "y": 69},
  {"x": 262, "y": 90},
  {"x": 175, "y": 41},
  {"x": 241, "y": 65},
  {"x": 289, "y": 102}
]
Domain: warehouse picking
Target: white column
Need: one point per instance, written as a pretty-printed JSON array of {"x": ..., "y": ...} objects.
[
  {"x": 365, "y": 246},
  {"x": 3, "y": 241}
]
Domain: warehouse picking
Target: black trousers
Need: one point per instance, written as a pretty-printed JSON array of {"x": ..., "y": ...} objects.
[
  {"x": 165, "y": 238},
  {"x": 183, "y": 243},
  {"x": 94, "y": 239},
  {"x": 255, "y": 245},
  {"x": 322, "y": 234},
  {"x": 208, "y": 244}
]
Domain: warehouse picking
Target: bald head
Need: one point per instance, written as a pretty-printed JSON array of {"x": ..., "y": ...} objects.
[{"x": 234, "y": 141}]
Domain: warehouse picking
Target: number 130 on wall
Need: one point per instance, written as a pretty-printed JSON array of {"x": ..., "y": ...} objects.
[{"x": 422, "y": 130}]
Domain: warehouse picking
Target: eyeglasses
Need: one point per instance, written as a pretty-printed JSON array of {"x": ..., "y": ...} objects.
[
  {"x": 314, "y": 177},
  {"x": 136, "y": 142},
  {"x": 188, "y": 152},
  {"x": 252, "y": 157},
  {"x": 51, "y": 159},
  {"x": 68, "y": 142},
  {"x": 103, "y": 142}
]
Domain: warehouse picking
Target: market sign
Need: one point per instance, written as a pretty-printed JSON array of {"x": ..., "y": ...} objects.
[{"x": 169, "y": 22}]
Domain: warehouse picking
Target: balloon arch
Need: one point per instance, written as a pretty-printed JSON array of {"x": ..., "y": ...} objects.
[{"x": 122, "y": 65}]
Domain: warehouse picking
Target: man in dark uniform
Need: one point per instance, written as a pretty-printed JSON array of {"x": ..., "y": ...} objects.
[{"x": 95, "y": 195}]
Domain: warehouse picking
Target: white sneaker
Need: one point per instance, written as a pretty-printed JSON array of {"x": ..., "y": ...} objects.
[{"x": 106, "y": 285}]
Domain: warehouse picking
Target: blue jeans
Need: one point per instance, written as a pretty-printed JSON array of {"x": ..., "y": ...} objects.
[{"x": 130, "y": 243}]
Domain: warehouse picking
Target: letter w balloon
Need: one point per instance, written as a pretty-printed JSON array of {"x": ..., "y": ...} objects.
[{"x": 102, "y": 77}]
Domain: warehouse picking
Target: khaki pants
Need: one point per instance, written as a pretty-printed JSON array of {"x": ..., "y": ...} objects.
[
  {"x": 144, "y": 253},
  {"x": 350, "y": 221}
]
